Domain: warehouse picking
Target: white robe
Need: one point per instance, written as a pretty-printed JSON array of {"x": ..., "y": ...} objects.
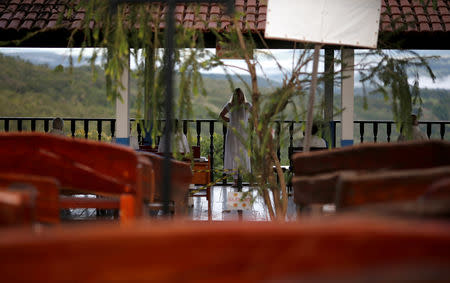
[
  {"x": 182, "y": 145},
  {"x": 315, "y": 142},
  {"x": 417, "y": 135},
  {"x": 236, "y": 155}
]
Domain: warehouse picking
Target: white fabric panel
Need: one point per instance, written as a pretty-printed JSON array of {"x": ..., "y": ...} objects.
[{"x": 341, "y": 22}]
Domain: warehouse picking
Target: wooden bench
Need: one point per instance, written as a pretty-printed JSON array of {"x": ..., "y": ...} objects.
[
  {"x": 318, "y": 173},
  {"x": 181, "y": 179},
  {"x": 339, "y": 249},
  {"x": 82, "y": 166}
]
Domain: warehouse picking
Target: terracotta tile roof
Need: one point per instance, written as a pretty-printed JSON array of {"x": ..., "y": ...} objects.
[{"x": 410, "y": 16}]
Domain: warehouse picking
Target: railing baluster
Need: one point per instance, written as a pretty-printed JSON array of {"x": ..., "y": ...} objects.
[
  {"x": 199, "y": 130},
  {"x": 211, "y": 146},
  {"x": 224, "y": 131},
  {"x": 86, "y": 128},
  {"x": 113, "y": 127},
  {"x": 33, "y": 125},
  {"x": 46, "y": 123},
  {"x": 442, "y": 132},
  {"x": 185, "y": 127},
  {"x": 389, "y": 131},
  {"x": 277, "y": 136},
  {"x": 72, "y": 127},
  {"x": 6, "y": 125},
  {"x": 99, "y": 129},
  {"x": 375, "y": 131},
  {"x": 19, "y": 125},
  {"x": 361, "y": 131},
  {"x": 429, "y": 130},
  {"x": 333, "y": 131},
  {"x": 139, "y": 132},
  {"x": 291, "y": 134}
]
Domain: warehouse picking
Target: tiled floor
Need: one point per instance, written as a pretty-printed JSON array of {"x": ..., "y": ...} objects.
[{"x": 258, "y": 211}]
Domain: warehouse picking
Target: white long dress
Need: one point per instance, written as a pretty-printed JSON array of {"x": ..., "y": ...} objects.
[{"x": 236, "y": 155}]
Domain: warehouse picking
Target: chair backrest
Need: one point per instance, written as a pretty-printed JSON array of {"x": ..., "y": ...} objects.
[
  {"x": 80, "y": 165},
  {"x": 299, "y": 149},
  {"x": 390, "y": 186},
  {"x": 317, "y": 173},
  {"x": 17, "y": 207},
  {"x": 374, "y": 156},
  {"x": 163, "y": 252},
  {"x": 181, "y": 177},
  {"x": 181, "y": 171},
  {"x": 47, "y": 194}
]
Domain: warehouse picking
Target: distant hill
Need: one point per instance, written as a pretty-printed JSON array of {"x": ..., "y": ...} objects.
[{"x": 27, "y": 89}]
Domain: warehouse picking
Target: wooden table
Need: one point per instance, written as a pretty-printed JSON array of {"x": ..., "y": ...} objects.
[{"x": 202, "y": 176}]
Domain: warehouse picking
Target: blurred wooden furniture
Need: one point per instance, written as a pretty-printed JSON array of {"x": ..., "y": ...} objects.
[
  {"x": 181, "y": 177},
  {"x": 202, "y": 176},
  {"x": 355, "y": 190},
  {"x": 291, "y": 151},
  {"x": 317, "y": 174},
  {"x": 17, "y": 207},
  {"x": 47, "y": 194},
  {"x": 82, "y": 166},
  {"x": 343, "y": 249}
]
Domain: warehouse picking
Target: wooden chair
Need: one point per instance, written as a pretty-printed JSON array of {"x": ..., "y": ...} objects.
[
  {"x": 317, "y": 173},
  {"x": 82, "y": 166},
  {"x": 355, "y": 190},
  {"x": 342, "y": 249},
  {"x": 17, "y": 207},
  {"x": 202, "y": 176},
  {"x": 293, "y": 150},
  {"x": 47, "y": 194},
  {"x": 180, "y": 181}
]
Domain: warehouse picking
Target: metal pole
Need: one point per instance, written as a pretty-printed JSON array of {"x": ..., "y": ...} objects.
[
  {"x": 329, "y": 94},
  {"x": 312, "y": 93},
  {"x": 168, "y": 65}
]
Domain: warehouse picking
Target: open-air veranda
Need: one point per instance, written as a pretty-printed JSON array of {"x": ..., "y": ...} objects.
[
  {"x": 394, "y": 223},
  {"x": 343, "y": 132}
]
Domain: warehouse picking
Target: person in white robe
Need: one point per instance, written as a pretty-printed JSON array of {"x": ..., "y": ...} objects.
[
  {"x": 316, "y": 141},
  {"x": 417, "y": 134},
  {"x": 236, "y": 156}
]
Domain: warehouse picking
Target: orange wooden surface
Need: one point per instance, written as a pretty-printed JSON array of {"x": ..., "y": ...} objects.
[
  {"x": 389, "y": 186},
  {"x": 113, "y": 170},
  {"x": 201, "y": 178},
  {"x": 180, "y": 179},
  {"x": 317, "y": 174},
  {"x": 374, "y": 156},
  {"x": 333, "y": 248},
  {"x": 47, "y": 192},
  {"x": 79, "y": 165},
  {"x": 17, "y": 208}
]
